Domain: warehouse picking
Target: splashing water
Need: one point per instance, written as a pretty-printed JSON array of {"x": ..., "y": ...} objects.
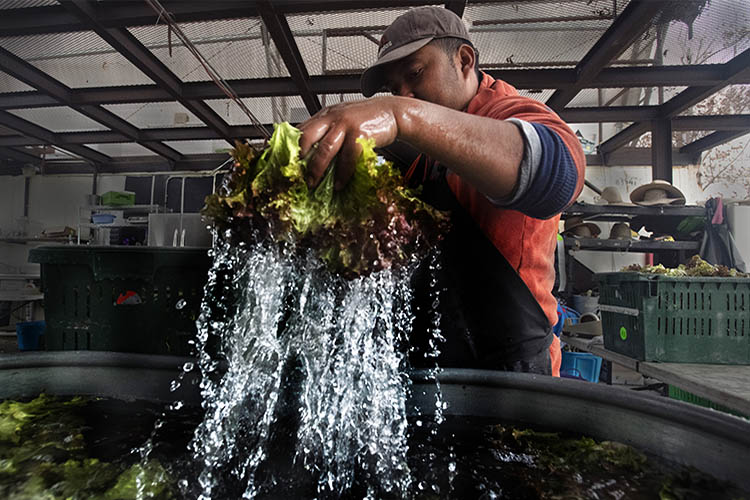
[{"x": 288, "y": 349}]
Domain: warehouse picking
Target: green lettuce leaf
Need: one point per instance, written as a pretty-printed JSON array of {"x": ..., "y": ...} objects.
[{"x": 374, "y": 223}]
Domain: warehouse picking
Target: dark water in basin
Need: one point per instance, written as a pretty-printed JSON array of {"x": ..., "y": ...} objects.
[{"x": 462, "y": 458}]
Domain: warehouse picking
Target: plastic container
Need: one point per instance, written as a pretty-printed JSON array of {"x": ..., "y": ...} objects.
[
  {"x": 102, "y": 218},
  {"x": 580, "y": 365},
  {"x": 29, "y": 335},
  {"x": 689, "y": 397},
  {"x": 123, "y": 299},
  {"x": 118, "y": 198},
  {"x": 652, "y": 317}
]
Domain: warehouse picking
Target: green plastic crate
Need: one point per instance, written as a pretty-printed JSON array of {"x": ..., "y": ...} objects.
[
  {"x": 653, "y": 317},
  {"x": 118, "y": 198},
  {"x": 689, "y": 397},
  {"x": 82, "y": 285}
]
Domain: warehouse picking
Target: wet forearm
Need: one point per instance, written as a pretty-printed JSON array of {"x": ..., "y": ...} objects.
[{"x": 486, "y": 153}]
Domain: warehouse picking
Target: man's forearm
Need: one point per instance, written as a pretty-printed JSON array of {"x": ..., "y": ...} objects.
[{"x": 485, "y": 152}]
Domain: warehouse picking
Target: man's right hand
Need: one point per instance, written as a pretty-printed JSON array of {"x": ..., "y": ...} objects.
[{"x": 333, "y": 132}]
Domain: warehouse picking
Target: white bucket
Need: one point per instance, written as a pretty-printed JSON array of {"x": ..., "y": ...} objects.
[{"x": 738, "y": 217}]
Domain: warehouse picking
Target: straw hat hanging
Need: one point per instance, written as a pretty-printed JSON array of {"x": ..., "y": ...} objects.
[{"x": 658, "y": 192}]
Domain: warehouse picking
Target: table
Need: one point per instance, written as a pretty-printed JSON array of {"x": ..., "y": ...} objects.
[{"x": 727, "y": 385}]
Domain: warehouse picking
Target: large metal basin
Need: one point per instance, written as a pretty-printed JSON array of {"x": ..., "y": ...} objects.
[{"x": 711, "y": 441}]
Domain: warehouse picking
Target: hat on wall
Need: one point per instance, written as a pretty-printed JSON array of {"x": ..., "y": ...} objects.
[
  {"x": 409, "y": 33},
  {"x": 575, "y": 226},
  {"x": 620, "y": 231},
  {"x": 610, "y": 195},
  {"x": 657, "y": 192}
]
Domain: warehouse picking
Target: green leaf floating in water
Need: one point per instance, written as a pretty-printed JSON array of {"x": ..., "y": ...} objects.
[
  {"x": 43, "y": 456},
  {"x": 375, "y": 222}
]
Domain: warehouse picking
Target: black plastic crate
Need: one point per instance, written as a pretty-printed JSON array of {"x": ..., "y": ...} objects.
[{"x": 124, "y": 299}]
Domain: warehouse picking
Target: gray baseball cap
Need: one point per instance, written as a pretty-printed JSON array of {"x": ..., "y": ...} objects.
[{"x": 409, "y": 33}]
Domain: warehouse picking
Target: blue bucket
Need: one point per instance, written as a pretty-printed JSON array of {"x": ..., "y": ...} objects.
[
  {"x": 28, "y": 335},
  {"x": 580, "y": 365}
]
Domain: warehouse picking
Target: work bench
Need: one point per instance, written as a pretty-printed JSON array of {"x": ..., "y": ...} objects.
[{"x": 726, "y": 385}]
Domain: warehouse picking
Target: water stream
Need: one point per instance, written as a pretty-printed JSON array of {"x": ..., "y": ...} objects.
[{"x": 302, "y": 371}]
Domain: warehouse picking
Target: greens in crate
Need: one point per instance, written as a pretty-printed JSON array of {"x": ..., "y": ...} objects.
[
  {"x": 375, "y": 222},
  {"x": 695, "y": 267}
]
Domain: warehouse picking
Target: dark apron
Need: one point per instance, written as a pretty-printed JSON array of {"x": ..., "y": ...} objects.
[{"x": 488, "y": 316}]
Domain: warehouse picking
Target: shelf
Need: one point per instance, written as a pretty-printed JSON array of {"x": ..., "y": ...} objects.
[
  {"x": 128, "y": 208},
  {"x": 35, "y": 240},
  {"x": 628, "y": 245},
  {"x": 19, "y": 277},
  {"x": 115, "y": 224},
  {"x": 19, "y": 296},
  {"x": 624, "y": 212}
]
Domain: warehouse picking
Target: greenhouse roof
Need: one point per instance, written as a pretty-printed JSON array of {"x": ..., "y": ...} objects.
[{"x": 108, "y": 86}]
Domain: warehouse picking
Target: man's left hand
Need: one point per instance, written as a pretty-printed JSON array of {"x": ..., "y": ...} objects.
[{"x": 334, "y": 131}]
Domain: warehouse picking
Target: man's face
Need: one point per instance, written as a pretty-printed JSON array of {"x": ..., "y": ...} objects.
[{"x": 430, "y": 75}]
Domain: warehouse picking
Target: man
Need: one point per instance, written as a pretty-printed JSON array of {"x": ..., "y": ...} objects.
[{"x": 505, "y": 166}]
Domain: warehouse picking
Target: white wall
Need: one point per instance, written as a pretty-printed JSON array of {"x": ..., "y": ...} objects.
[{"x": 53, "y": 202}]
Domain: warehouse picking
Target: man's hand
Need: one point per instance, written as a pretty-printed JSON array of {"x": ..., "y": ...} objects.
[{"x": 334, "y": 131}]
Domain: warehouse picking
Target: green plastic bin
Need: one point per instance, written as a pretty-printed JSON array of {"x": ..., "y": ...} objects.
[
  {"x": 118, "y": 198},
  {"x": 652, "y": 317},
  {"x": 124, "y": 299},
  {"x": 683, "y": 395}
]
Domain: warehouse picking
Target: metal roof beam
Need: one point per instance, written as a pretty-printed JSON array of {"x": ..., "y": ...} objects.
[
  {"x": 24, "y": 127},
  {"x": 17, "y": 155},
  {"x": 154, "y": 134},
  {"x": 21, "y": 70},
  {"x": 629, "y": 25},
  {"x": 278, "y": 28},
  {"x": 712, "y": 122},
  {"x": 143, "y": 59},
  {"x": 645, "y": 76},
  {"x": 57, "y": 19},
  {"x": 712, "y": 140},
  {"x": 736, "y": 70},
  {"x": 611, "y": 114},
  {"x": 624, "y": 137}
]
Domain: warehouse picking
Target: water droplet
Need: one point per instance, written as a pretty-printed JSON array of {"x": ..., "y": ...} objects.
[
  {"x": 180, "y": 304},
  {"x": 422, "y": 485},
  {"x": 451, "y": 466},
  {"x": 177, "y": 405},
  {"x": 418, "y": 423},
  {"x": 174, "y": 385},
  {"x": 182, "y": 484},
  {"x": 188, "y": 366}
]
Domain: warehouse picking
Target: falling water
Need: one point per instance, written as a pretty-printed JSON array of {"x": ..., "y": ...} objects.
[{"x": 304, "y": 366}]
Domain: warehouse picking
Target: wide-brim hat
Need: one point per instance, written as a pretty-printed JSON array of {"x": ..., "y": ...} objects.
[
  {"x": 406, "y": 35},
  {"x": 657, "y": 192},
  {"x": 576, "y": 226},
  {"x": 610, "y": 195},
  {"x": 620, "y": 231}
]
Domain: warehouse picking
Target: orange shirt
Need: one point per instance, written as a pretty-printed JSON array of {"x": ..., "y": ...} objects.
[{"x": 527, "y": 243}]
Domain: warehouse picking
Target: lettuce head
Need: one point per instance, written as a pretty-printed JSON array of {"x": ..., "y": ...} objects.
[{"x": 375, "y": 222}]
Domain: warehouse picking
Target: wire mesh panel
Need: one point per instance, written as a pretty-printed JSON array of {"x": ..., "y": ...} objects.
[
  {"x": 155, "y": 114},
  {"x": 199, "y": 147},
  {"x": 235, "y": 48},
  {"x": 10, "y": 84},
  {"x": 538, "y": 34},
  {"x": 59, "y": 119},
  {"x": 78, "y": 59},
  {"x": 340, "y": 42},
  {"x": 695, "y": 32},
  {"x": 267, "y": 109},
  {"x": 122, "y": 149}
]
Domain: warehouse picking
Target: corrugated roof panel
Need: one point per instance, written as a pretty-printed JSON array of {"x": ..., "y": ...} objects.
[
  {"x": 10, "y": 84},
  {"x": 155, "y": 114},
  {"x": 122, "y": 149},
  {"x": 235, "y": 48},
  {"x": 702, "y": 32},
  {"x": 77, "y": 59},
  {"x": 266, "y": 109},
  {"x": 59, "y": 119},
  {"x": 25, "y": 4}
]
